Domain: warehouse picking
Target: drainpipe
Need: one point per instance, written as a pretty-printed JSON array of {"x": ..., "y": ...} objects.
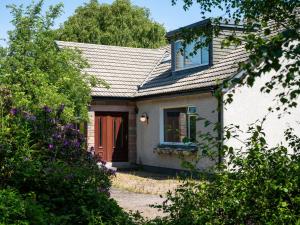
[
  {"x": 220, "y": 121},
  {"x": 220, "y": 128}
]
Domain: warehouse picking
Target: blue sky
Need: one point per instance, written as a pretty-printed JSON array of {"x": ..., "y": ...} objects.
[{"x": 162, "y": 11}]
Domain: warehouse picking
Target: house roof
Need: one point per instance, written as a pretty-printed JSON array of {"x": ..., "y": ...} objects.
[
  {"x": 162, "y": 81},
  {"x": 123, "y": 68},
  {"x": 138, "y": 72},
  {"x": 224, "y": 23}
]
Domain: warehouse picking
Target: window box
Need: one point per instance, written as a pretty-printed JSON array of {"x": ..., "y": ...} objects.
[{"x": 181, "y": 149}]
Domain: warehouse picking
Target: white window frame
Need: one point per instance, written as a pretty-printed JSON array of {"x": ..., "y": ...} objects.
[
  {"x": 162, "y": 124},
  {"x": 189, "y": 67}
]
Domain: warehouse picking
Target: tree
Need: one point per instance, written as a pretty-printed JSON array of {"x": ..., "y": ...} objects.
[
  {"x": 271, "y": 33},
  {"x": 120, "y": 23},
  {"x": 46, "y": 174},
  {"x": 36, "y": 72}
]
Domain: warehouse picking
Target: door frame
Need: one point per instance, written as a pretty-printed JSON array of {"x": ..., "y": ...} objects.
[{"x": 125, "y": 116}]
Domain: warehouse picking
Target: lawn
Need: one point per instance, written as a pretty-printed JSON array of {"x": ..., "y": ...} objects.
[{"x": 145, "y": 182}]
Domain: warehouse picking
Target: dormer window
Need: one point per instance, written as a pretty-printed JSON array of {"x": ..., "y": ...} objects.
[{"x": 186, "y": 58}]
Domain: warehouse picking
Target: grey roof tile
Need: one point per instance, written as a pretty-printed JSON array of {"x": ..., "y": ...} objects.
[
  {"x": 162, "y": 81},
  {"x": 125, "y": 69},
  {"x": 122, "y": 68}
]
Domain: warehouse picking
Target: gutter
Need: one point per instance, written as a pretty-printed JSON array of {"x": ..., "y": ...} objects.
[{"x": 161, "y": 95}]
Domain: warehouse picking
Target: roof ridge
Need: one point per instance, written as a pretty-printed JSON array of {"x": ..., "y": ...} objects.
[
  {"x": 110, "y": 46},
  {"x": 151, "y": 71}
]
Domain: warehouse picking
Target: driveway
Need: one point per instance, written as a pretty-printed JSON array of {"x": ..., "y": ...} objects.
[
  {"x": 131, "y": 201},
  {"x": 145, "y": 182}
]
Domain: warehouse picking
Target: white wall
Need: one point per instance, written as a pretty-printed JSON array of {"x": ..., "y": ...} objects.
[
  {"x": 150, "y": 135},
  {"x": 250, "y": 105}
]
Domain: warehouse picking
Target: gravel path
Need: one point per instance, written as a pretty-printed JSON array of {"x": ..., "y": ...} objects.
[{"x": 137, "y": 202}]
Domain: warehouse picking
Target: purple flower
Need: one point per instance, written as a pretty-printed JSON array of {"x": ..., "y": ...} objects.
[
  {"x": 66, "y": 143},
  {"x": 29, "y": 117},
  {"x": 50, "y": 146},
  {"x": 14, "y": 111},
  {"x": 33, "y": 118},
  {"x": 77, "y": 144},
  {"x": 56, "y": 136},
  {"x": 47, "y": 109},
  {"x": 69, "y": 126}
]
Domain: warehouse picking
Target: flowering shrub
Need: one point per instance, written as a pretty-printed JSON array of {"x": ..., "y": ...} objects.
[{"x": 45, "y": 157}]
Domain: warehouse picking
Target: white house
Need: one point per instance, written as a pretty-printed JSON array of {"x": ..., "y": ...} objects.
[{"x": 149, "y": 113}]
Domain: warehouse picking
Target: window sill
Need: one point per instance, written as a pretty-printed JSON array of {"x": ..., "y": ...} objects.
[
  {"x": 190, "y": 69},
  {"x": 176, "y": 149}
]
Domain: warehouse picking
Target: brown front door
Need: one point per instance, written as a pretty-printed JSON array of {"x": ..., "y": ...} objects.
[{"x": 111, "y": 136}]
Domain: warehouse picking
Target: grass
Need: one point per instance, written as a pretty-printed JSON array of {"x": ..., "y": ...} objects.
[{"x": 145, "y": 182}]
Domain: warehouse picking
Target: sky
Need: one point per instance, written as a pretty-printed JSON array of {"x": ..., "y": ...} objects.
[{"x": 162, "y": 11}]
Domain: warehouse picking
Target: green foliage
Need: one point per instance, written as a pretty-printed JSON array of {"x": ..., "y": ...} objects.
[
  {"x": 270, "y": 36},
  {"x": 256, "y": 184},
  {"x": 12, "y": 208},
  {"x": 36, "y": 72},
  {"x": 120, "y": 23},
  {"x": 261, "y": 185},
  {"x": 46, "y": 174},
  {"x": 56, "y": 180},
  {"x": 16, "y": 209}
]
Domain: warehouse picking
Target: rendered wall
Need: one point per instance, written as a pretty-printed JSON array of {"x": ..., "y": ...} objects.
[
  {"x": 151, "y": 134},
  {"x": 250, "y": 105}
]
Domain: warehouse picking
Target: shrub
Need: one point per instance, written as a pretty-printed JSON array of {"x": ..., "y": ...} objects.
[
  {"x": 260, "y": 186},
  {"x": 46, "y": 158},
  {"x": 14, "y": 209}
]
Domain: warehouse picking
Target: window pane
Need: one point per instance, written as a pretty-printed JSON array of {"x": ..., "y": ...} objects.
[
  {"x": 175, "y": 124},
  {"x": 205, "y": 55},
  {"x": 192, "y": 110},
  {"x": 120, "y": 138},
  {"x": 179, "y": 58},
  {"x": 188, "y": 59},
  {"x": 114, "y": 131},
  {"x": 194, "y": 59},
  {"x": 192, "y": 128},
  {"x": 100, "y": 132}
]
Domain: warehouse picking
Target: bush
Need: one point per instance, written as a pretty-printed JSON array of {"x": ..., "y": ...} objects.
[
  {"x": 12, "y": 208},
  {"x": 260, "y": 186},
  {"x": 45, "y": 158},
  {"x": 16, "y": 210}
]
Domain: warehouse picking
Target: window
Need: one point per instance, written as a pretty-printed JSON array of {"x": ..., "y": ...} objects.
[
  {"x": 100, "y": 132},
  {"x": 180, "y": 124},
  {"x": 184, "y": 59},
  {"x": 115, "y": 133}
]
